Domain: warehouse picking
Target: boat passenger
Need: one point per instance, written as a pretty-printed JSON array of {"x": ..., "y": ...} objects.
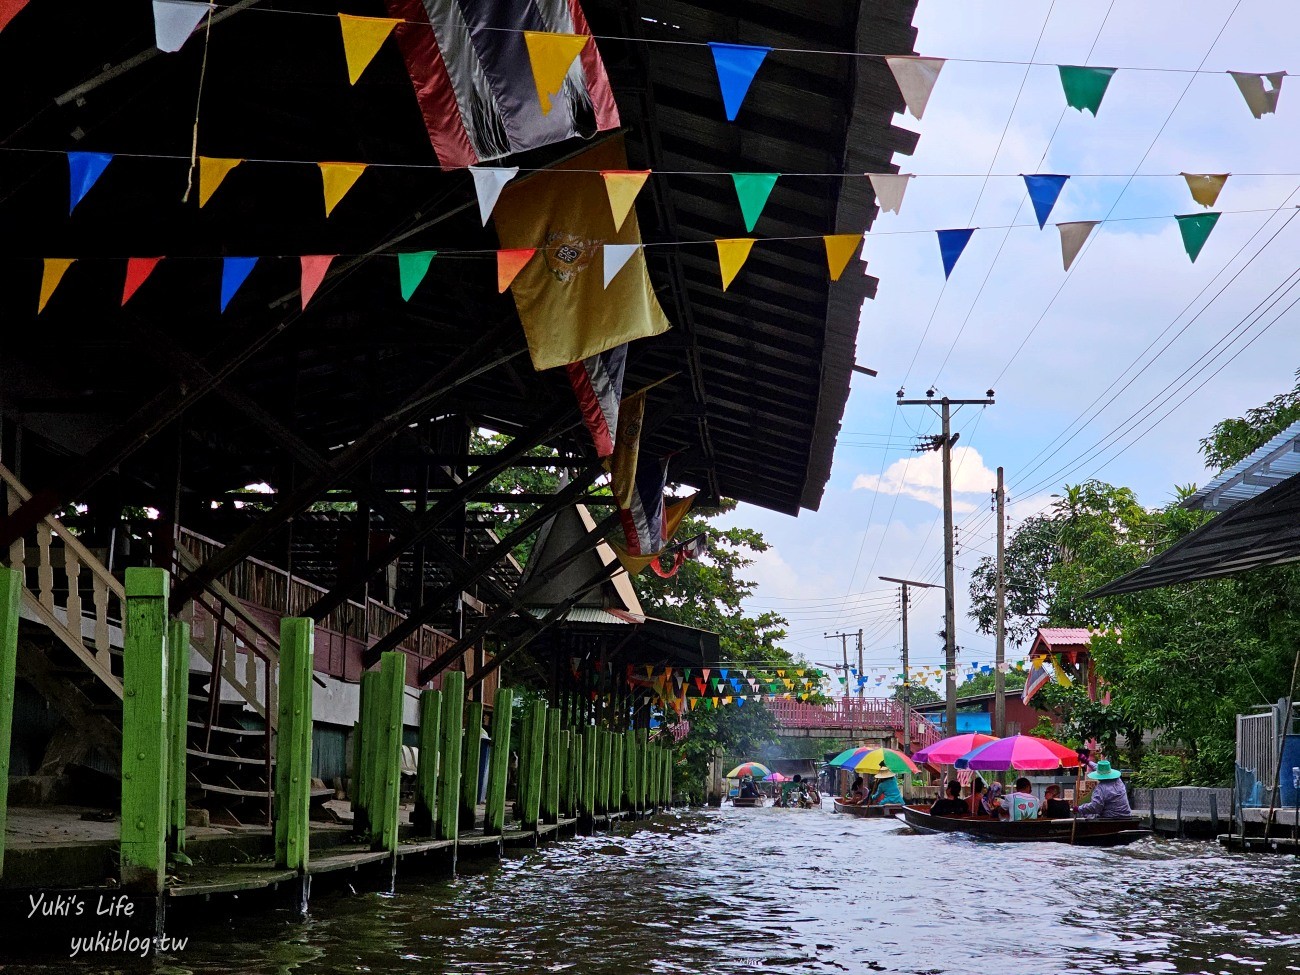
[
  {"x": 748, "y": 790},
  {"x": 1054, "y": 807},
  {"x": 788, "y": 788},
  {"x": 1109, "y": 798},
  {"x": 975, "y": 801},
  {"x": 886, "y": 789},
  {"x": 858, "y": 792},
  {"x": 1021, "y": 804},
  {"x": 993, "y": 805},
  {"x": 952, "y": 804}
]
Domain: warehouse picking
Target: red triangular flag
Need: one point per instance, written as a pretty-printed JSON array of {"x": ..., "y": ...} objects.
[
  {"x": 313, "y": 272},
  {"x": 510, "y": 263},
  {"x": 9, "y": 10},
  {"x": 138, "y": 270}
]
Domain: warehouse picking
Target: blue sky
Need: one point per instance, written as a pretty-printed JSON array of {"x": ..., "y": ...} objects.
[{"x": 1132, "y": 286}]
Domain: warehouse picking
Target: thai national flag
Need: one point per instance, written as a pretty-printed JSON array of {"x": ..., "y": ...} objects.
[
  {"x": 597, "y": 381},
  {"x": 643, "y": 519}
]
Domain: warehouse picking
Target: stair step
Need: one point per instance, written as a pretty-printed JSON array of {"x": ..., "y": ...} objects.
[
  {"x": 261, "y": 733},
  {"x": 238, "y": 759}
]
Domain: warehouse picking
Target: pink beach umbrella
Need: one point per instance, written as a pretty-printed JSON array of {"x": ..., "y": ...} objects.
[
  {"x": 948, "y": 750},
  {"x": 1025, "y": 753},
  {"x": 778, "y": 777}
]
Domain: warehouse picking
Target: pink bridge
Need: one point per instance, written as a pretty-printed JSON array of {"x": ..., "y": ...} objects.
[{"x": 858, "y": 718}]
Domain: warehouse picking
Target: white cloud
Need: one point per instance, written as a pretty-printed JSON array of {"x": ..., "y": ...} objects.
[{"x": 921, "y": 478}]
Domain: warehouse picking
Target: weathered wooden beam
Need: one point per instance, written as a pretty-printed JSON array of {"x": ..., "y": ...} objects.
[
  {"x": 425, "y": 813},
  {"x": 144, "y": 732},
  {"x": 551, "y": 777},
  {"x": 470, "y": 764},
  {"x": 11, "y": 599},
  {"x": 293, "y": 744},
  {"x": 499, "y": 764},
  {"x": 453, "y": 716},
  {"x": 178, "y": 704}
]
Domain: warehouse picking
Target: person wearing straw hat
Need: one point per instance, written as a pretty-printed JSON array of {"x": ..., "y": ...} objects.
[
  {"x": 1109, "y": 797},
  {"x": 886, "y": 789}
]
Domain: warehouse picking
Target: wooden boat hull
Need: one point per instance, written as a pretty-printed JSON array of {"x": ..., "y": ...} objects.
[
  {"x": 751, "y": 803},
  {"x": 867, "y": 812},
  {"x": 1083, "y": 832}
]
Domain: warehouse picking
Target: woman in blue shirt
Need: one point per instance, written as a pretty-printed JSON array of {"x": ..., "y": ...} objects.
[{"x": 886, "y": 789}]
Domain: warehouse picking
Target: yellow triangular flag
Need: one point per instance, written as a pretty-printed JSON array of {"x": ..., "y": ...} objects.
[
  {"x": 551, "y": 55},
  {"x": 1205, "y": 187},
  {"x": 839, "y": 249},
  {"x": 732, "y": 254},
  {"x": 337, "y": 179},
  {"x": 55, "y": 267},
  {"x": 623, "y": 185},
  {"x": 212, "y": 172},
  {"x": 362, "y": 39}
]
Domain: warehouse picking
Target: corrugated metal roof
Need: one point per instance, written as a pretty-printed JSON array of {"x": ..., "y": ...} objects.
[
  {"x": 591, "y": 614},
  {"x": 1058, "y": 636},
  {"x": 1268, "y": 466}
]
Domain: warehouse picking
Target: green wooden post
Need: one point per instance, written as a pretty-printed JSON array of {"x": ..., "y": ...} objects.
[
  {"x": 144, "y": 731},
  {"x": 293, "y": 744},
  {"x": 532, "y": 800},
  {"x": 11, "y": 600},
  {"x": 616, "y": 773},
  {"x": 525, "y": 766},
  {"x": 388, "y": 751},
  {"x": 425, "y": 813},
  {"x": 643, "y": 762},
  {"x": 578, "y": 766},
  {"x": 629, "y": 758},
  {"x": 363, "y": 754},
  {"x": 178, "y": 708},
  {"x": 606, "y": 771},
  {"x": 453, "y": 716},
  {"x": 499, "y": 764},
  {"x": 566, "y": 760},
  {"x": 668, "y": 776},
  {"x": 551, "y": 776},
  {"x": 590, "y": 748},
  {"x": 469, "y": 764}
]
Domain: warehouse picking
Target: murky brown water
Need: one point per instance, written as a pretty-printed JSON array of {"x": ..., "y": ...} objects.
[{"x": 794, "y": 891}]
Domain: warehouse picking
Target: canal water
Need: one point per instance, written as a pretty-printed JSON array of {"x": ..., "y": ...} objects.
[{"x": 797, "y": 891}]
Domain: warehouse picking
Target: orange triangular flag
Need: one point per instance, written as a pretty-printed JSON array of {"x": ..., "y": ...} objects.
[
  {"x": 732, "y": 254},
  {"x": 313, "y": 272},
  {"x": 510, "y": 263},
  {"x": 623, "y": 185},
  {"x": 551, "y": 55},
  {"x": 55, "y": 267},
  {"x": 337, "y": 179},
  {"x": 362, "y": 39},
  {"x": 212, "y": 172},
  {"x": 839, "y": 249},
  {"x": 138, "y": 270}
]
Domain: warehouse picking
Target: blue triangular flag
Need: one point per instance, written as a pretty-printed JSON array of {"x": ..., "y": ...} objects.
[
  {"x": 951, "y": 244},
  {"x": 83, "y": 169},
  {"x": 234, "y": 271},
  {"x": 1043, "y": 191},
  {"x": 736, "y": 64}
]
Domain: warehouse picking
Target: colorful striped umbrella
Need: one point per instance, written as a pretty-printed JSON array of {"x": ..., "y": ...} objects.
[
  {"x": 948, "y": 750},
  {"x": 753, "y": 769},
  {"x": 874, "y": 760},
  {"x": 846, "y": 758},
  {"x": 1024, "y": 753}
]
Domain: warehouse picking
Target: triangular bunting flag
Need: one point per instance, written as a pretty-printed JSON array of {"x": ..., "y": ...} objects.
[
  {"x": 614, "y": 257},
  {"x": 411, "y": 269},
  {"x": 732, "y": 254},
  {"x": 9, "y": 10},
  {"x": 1205, "y": 187},
  {"x": 234, "y": 272},
  {"x": 313, "y": 272},
  {"x": 51, "y": 275},
  {"x": 753, "y": 189},
  {"x": 1261, "y": 100},
  {"x": 736, "y": 65},
  {"x": 138, "y": 270},
  {"x": 916, "y": 78},
  {"x": 551, "y": 56},
  {"x": 1195, "y": 228},
  {"x": 951, "y": 244},
  {"x": 336, "y": 180},
  {"x": 1084, "y": 87},
  {"x": 174, "y": 21},
  {"x": 212, "y": 172},
  {"x": 1043, "y": 193},
  {"x": 840, "y": 249},
  {"x": 510, "y": 263},
  {"x": 622, "y": 187},
  {"x": 488, "y": 183},
  {"x": 1073, "y": 235},
  {"x": 705, "y": 672},
  {"x": 83, "y": 169},
  {"x": 362, "y": 39}
]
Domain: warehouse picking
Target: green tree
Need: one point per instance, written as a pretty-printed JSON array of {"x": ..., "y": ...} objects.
[{"x": 1234, "y": 438}]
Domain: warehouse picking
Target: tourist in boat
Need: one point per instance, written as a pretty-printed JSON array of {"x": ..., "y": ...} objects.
[
  {"x": 748, "y": 790},
  {"x": 1054, "y": 807},
  {"x": 1109, "y": 797},
  {"x": 886, "y": 793},
  {"x": 952, "y": 804},
  {"x": 1021, "y": 804},
  {"x": 857, "y": 793},
  {"x": 992, "y": 805},
  {"x": 975, "y": 801}
]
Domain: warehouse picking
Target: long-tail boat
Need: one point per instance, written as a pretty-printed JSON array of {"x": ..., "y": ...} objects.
[
  {"x": 867, "y": 812},
  {"x": 747, "y": 802},
  {"x": 1081, "y": 832}
]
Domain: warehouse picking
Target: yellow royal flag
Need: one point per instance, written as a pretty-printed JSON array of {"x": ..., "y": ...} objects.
[
  {"x": 567, "y": 312},
  {"x": 551, "y": 56},
  {"x": 627, "y": 447}
]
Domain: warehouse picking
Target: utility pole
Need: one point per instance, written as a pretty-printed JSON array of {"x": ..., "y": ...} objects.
[
  {"x": 1000, "y": 629},
  {"x": 944, "y": 442},
  {"x": 905, "y": 585},
  {"x": 844, "y": 647},
  {"x": 862, "y": 688}
]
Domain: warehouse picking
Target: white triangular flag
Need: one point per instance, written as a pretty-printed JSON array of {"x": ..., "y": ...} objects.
[
  {"x": 615, "y": 256},
  {"x": 488, "y": 183},
  {"x": 174, "y": 21},
  {"x": 916, "y": 78},
  {"x": 1073, "y": 236},
  {"x": 1262, "y": 101},
  {"x": 889, "y": 189}
]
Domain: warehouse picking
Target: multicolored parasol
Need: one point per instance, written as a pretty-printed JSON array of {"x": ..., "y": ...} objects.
[
  {"x": 778, "y": 778},
  {"x": 1024, "y": 753},
  {"x": 845, "y": 758},
  {"x": 948, "y": 750},
  {"x": 753, "y": 769},
  {"x": 871, "y": 762}
]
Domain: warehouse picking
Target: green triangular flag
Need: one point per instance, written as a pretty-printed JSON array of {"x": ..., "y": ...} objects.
[
  {"x": 1084, "y": 87},
  {"x": 1195, "y": 228},
  {"x": 753, "y": 189},
  {"x": 411, "y": 269}
]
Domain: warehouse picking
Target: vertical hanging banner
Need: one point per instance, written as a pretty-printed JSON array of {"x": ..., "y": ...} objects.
[
  {"x": 889, "y": 189},
  {"x": 732, "y": 254},
  {"x": 1195, "y": 229},
  {"x": 1073, "y": 236},
  {"x": 752, "y": 190},
  {"x": 551, "y": 57},
  {"x": 840, "y": 249},
  {"x": 84, "y": 168},
  {"x": 476, "y": 82},
  {"x": 1044, "y": 190},
  {"x": 622, "y": 187},
  {"x": 510, "y": 263},
  {"x": 567, "y": 311},
  {"x": 1205, "y": 187},
  {"x": 51, "y": 274},
  {"x": 597, "y": 383},
  {"x": 1261, "y": 91},
  {"x": 212, "y": 173},
  {"x": 138, "y": 270},
  {"x": 489, "y": 181},
  {"x": 1084, "y": 87},
  {"x": 736, "y": 65},
  {"x": 173, "y": 22},
  {"x": 234, "y": 272},
  {"x": 411, "y": 269},
  {"x": 313, "y": 273},
  {"x": 336, "y": 180},
  {"x": 951, "y": 244},
  {"x": 916, "y": 78},
  {"x": 362, "y": 39}
]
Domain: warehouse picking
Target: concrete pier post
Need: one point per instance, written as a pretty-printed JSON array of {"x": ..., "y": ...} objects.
[
  {"x": 499, "y": 765},
  {"x": 470, "y": 763},
  {"x": 388, "y": 751},
  {"x": 551, "y": 775},
  {"x": 425, "y": 814},
  {"x": 536, "y": 756},
  {"x": 453, "y": 708},
  {"x": 11, "y": 600},
  {"x": 293, "y": 744},
  {"x": 178, "y": 709}
]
